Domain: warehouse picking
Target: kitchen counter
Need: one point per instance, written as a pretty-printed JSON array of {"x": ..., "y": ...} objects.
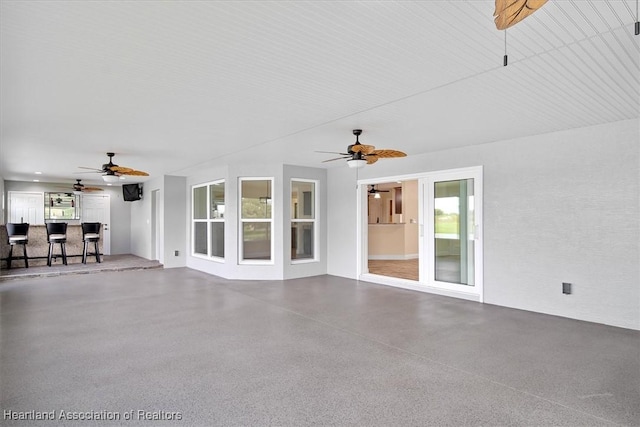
[{"x": 393, "y": 241}]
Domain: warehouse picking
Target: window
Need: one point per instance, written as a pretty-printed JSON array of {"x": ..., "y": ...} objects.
[
  {"x": 256, "y": 220},
  {"x": 208, "y": 220},
  {"x": 303, "y": 220},
  {"x": 61, "y": 206}
]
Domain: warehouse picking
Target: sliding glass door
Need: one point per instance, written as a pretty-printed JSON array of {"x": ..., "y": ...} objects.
[
  {"x": 452, "y": 220},
  {"x": 453, "y": 224},
  {"x": 441, "y": 220}
]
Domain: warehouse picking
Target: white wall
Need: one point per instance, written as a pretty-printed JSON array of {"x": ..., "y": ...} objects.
[
  {"x": 3, "y": 201},
  {"x": 559, "y": 207},
  {"x": 174, "y": 206},
  {"x": 231, "y": 268},
  {"x": 172, "y": 201},
  {"x": 120, "y": 210},
  {"x": 281, "y": 266},
  {"x": 140, "y": 230}
]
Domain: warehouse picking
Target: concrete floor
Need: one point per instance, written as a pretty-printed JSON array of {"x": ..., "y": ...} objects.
[{"x": 316, "y": 351}]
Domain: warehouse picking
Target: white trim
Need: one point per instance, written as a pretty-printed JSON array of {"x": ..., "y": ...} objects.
[
  {"x": 474, "y": 293},
  {"x": 241, "y": 221},
  {"x": 315, "y": 220},
  {"x": 417, "y": 286},
  {"x": 208, "y": 220},
  {"x": 428, "y": 265}
]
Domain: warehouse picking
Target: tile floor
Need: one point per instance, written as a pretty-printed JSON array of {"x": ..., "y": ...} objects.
[{"x": 316, "y": 351}]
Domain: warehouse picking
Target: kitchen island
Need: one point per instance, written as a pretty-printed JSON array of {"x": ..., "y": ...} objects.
[{"x": 38, "y": 248}]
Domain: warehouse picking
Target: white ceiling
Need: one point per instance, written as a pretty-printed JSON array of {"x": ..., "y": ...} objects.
[{"x": 173, "y": 86}]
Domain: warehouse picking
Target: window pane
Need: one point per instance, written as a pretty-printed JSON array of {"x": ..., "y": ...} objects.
[
  {"x": 217, "y": 239},
  {"x": 302, "y": 240},
  {"x": 256, "y": 241},
  {"x": 256, "y": 199},
  {"x": 454, "y": 227},
  {"x": 302, "y": 200},
  {"x": 200, "y": 203},
  {"x": 200, "y": 238},
  {"x": 216, "y": 196}
]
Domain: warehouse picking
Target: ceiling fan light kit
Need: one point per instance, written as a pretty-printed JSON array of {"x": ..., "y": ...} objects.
[
  {"x": 356, "y": 163},
  {"x": 111, "y": 178}
]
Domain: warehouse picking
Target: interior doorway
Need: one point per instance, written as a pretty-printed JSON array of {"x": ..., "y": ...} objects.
[
  {"x": 155, "y": 227},
  {"x": 392, "y": 229},
  {"x": 97, "y": 208}
]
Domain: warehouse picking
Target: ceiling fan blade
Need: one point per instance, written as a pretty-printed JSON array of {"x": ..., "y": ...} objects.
[
  {"x": 510, "y": 12},
  {"x": 336, "y": 158},
  {"x": 385, "y": 153},
  {"x": 133, "y": 173},
  {"x": 90, "y": 189},
  {"x": 371, "y": 159},
  {"x": 120, "y": 169},
  {"x": 93, "y": 169},
  {"x": 332, "y": 152},
  {"x": 362, "y": 148}
]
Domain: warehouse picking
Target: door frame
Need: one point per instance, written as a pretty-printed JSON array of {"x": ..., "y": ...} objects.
[
  {"x": 106, "y": 225},
  {"x": 441, "y": 288}
]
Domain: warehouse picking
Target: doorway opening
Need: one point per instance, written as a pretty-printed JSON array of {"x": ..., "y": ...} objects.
[
  {"x": 392, "y": 229},
  {"x": 423, "y": 232}
]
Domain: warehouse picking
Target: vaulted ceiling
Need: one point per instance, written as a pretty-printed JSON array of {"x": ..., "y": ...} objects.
[{"x": 172, "y": 87}]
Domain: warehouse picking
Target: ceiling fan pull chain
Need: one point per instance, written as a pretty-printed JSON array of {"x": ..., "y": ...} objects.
[
  {"x": 637, "y": 20},
  {"x": 505, "y": 60}
]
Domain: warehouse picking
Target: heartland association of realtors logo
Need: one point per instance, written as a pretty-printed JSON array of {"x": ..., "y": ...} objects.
[{"x": 64, "y": 415}]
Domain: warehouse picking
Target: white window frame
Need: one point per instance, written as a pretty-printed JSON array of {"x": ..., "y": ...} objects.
[
  {"x": 242, "y": 221},
  {"x": 314, "y": 221},
  {"x": 208, "y": 220}
]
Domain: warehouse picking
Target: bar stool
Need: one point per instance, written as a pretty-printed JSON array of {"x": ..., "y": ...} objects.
[
  {"x": 18, "y": 234},
  {"x": 90, "y": 234},
  {"x": 57, "y": 233}
]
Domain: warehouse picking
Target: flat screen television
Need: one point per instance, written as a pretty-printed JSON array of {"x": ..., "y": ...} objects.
[{"x": 131, "y": 192}]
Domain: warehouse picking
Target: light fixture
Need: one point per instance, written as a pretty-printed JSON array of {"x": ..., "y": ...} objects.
[
  {"x": 36, "y": 180},
  {"x": 38, "y": 173},
  {"x": 357, "y": 163},
  {"x": 376, "y": 196},
  {"x": 110, "y": 177}
]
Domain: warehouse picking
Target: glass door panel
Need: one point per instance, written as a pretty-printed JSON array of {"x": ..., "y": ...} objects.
[{"x": 453, "y": 215}]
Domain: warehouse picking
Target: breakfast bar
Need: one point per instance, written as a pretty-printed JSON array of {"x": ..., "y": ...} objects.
[{"x": 38, "y": 247}]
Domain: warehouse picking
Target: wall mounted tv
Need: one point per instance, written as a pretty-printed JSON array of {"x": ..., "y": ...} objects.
[{"x": 131, "y": 192}]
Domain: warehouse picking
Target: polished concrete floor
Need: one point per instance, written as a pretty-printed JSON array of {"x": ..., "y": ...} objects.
[
  {"x": 177, "y": 343},
  {"x": 75, "y": 266}
]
